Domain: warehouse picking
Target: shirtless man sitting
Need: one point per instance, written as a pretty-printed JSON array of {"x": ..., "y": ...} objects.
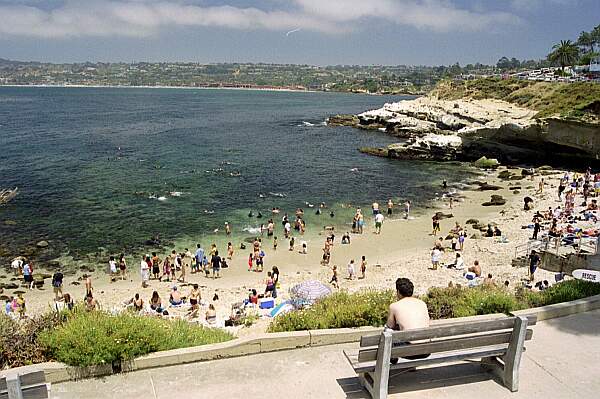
[{"x": 408, "y": 313}]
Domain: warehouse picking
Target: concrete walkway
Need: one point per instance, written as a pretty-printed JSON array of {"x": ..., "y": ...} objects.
[{"x": 562, "y": 361}]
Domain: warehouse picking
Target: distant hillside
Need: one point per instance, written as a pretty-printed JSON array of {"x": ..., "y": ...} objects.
[{"x": 579, "y": 101}]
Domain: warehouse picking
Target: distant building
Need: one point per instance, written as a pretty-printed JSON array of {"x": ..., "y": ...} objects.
[{"x": 595, "y": 66}]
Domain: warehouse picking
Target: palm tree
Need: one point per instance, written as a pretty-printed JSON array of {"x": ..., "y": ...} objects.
[
  {"x": 586, "y": 39},
  {"x": 565, "y": 53}
]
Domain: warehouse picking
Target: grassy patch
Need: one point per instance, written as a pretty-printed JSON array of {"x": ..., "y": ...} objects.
[
  {"x": 91, "y": 338},
  {"x": 572, "y": 100}
]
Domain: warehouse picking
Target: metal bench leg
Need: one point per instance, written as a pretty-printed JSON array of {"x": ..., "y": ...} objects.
[{"x": 512, "y": 359}]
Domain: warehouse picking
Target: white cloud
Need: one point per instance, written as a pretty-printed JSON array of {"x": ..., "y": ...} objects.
[{"x": 76, "y": 18}]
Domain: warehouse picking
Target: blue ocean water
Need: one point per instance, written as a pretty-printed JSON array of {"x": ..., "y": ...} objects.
[{"x": 112, "y": 167}]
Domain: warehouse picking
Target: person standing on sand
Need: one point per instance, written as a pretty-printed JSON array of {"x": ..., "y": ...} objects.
[
  {"x": 406, "y": 209},
  {"x": 112, "y": 264},
  {"x": 378, "y": 222},
  {"x": 145, "y": 270},
  {"x": 17, "y": 265},
  {"x": 351, "y": 271},
  {"x": 199, "y": 257},
  {"x": 155, "y": 264},
  {"x": 360, "y": 221},
  {"x": 122, "y": 267},
  {"x": 183, "y": 266},
  {"x": 227, "y": 229},
  {"x": 436, "y": 257},
  {"x": 28, "y": 274},
  {"x": 534, "y": 262},
  {"x": 435, "y": 222},
  {"x": 390, "y": 206},
  {"x": 229, "y": 250},
  {"x": 216, "y": 264},
  {"x": 57, "y": 284},
  {"x": 363, "y": 267},
  {"x": 334, "y": 277}
]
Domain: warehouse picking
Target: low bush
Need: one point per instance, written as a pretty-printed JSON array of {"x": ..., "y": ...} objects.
[
  {"x": 370, "y": 308},
  {"x": 339, "y": 310},
  {"x": 92, "y": 338},
  {"x": 445, "y": 303}
]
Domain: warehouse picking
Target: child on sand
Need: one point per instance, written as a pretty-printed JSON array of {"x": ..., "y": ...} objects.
[
  {"x": 275, "y": 244},
  {"x": 351, "y": 271},
  {"x": 436, "y": 257},
  {"x": 229, "y": 251},
  {"x": 334, "y": 277},
  {"x": 292, "y": 244},
  {"x": 363, "y": 267},
  {"x": 250, "y": 261}
]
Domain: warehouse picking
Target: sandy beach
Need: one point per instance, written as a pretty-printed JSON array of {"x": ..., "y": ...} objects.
[{"x": 402, "y": 249}]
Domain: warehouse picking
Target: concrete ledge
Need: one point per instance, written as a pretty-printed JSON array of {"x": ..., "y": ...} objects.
[
  {"x": 562, "y": 309},
  {"x": 58, "y": 372}
]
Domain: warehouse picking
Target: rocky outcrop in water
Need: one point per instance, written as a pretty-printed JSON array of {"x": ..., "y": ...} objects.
[{"x": 466, "y": 130}]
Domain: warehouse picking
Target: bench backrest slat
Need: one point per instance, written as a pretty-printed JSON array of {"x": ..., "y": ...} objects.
[
  {"x": 39, "y": 392},
  {"x": 444, "y": 345},
  {"x": 36, "y": 377},
  {"x": 448, "y": 330}
]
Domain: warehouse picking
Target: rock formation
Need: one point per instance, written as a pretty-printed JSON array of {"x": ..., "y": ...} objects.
[{"x": 466, "y": 130}]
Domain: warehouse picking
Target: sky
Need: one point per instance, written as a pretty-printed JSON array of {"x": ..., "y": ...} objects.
[{"x": 316, "y": 32}]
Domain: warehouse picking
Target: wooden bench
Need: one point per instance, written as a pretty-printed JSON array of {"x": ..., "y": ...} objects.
[
  {"x": 25, "y": 386},
  {"x": 499, "y": 343}
]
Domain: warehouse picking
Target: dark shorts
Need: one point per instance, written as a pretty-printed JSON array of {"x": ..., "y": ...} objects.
[
  {"x": 193, "y": 302},
  {"x": 413, "y": 357},
  {"x": 155, "y": 270},
  {"x": 28, "y": 278}
]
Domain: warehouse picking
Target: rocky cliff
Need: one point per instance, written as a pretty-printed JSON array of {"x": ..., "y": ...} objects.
[{"x": 466, "y": 129}]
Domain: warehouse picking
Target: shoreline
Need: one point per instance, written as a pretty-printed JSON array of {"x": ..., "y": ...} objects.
[{"x": 275, "y": 89}]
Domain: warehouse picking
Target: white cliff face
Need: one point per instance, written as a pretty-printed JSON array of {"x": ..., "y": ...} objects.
[{"x": 429, "y": 115}]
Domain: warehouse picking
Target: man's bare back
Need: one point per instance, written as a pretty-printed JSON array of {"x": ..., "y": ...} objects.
[{"x": 408, "y": 313}]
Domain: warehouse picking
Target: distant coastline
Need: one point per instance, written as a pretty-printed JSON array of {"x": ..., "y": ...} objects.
[
  {"x": 282, "y": 89},
  {"x": 285, "y": 89}
]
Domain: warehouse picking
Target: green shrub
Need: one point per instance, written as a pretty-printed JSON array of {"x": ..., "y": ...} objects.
[
  {"x": 339, "y": 310},
  {"x": 445, "y": 303},
  {"x": 568, "y": 291},
  {"x": 370, "y": 308},
  {"x": 92, "y": 338}
]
